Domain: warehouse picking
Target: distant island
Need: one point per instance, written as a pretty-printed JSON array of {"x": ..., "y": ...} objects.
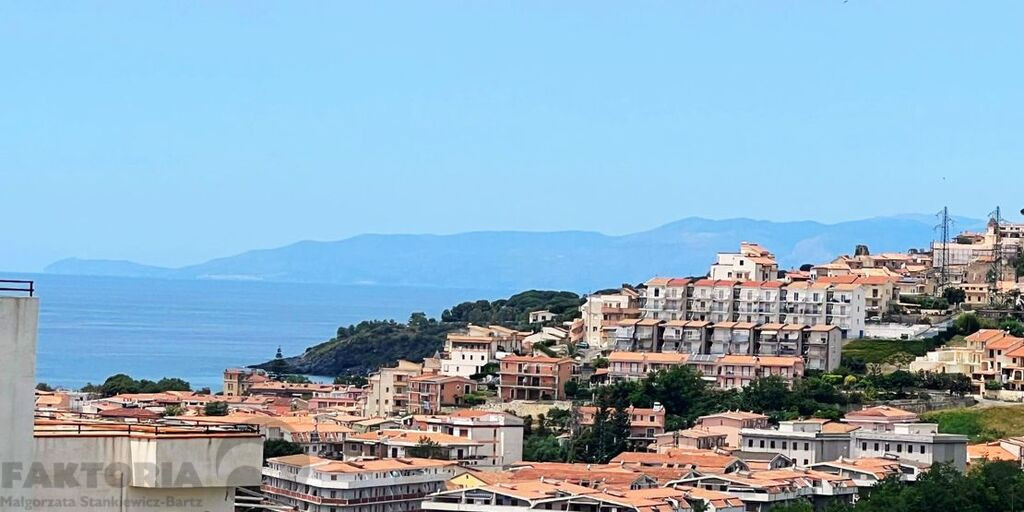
[{"x": 567, "y": 260}]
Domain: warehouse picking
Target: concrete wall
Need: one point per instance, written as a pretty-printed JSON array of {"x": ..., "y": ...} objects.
[
  {"x": 193, "y": 474},
  {"x": 18, "y": 320}
]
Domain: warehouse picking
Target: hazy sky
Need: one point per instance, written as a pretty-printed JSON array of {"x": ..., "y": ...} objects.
[{"x": 172, "y": 132}]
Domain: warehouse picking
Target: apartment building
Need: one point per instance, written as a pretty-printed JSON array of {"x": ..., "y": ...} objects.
[
  {"x": 500, "y": 434},
  {"x": 541, "y": 316},
  {"x": 763, "y": 491},
  {"x": 664, "y": 298},
  {"x": 346, "y": 397},
  {"x": 730, "y": 424},
  {"x": 734, "y": 372},
  {"x": 696, "y": 438},
  {"x": 823, "y": 347},
  {"x": 645, "y": 424},
  {"x": 643, "y": 335},
  {"x": 388, "y": 393},
  {"x": 399, "y": 443},
  {"x": 685, "y": 336},
  {"x": 758, "y": 301},
  {"x": 732, "y": 338},
  {"x": 238, "y": 380},
  {"x": 602, "y": 313},
  {"x": 321, "y": 485},
  {"x": 467, "y": 353},
  {"x": 776, "y": 339},
  {"x": 881, "y": 292},
  {"x": 811, "y": 304},
  {"x": 534, "y": 377},
  {"x": 752, "y": 263},
  {"x": 429, "y": 393},
  {"x": 911, "y": 442},
  {"x": 638, "y": 365},
  {"x": 805, "y": 442},
  {"x": 549, "y": 494}
]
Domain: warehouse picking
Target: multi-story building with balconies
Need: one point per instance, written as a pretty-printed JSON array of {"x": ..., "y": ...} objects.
[
  {"x": 534, "y": 377},
  {"x": 751, "y": 263},
  {"x": 387, "y": 485},
  {"x": 602, "y": 313},
  {"x": 467, "y": 353}
]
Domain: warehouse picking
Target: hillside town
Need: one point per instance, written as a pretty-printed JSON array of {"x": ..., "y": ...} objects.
[{"x": 725, "y": 392}]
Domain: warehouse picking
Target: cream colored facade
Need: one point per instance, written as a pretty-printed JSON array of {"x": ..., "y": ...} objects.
[
  {"x": 601, "y": 313},
  {"x": 389, "y": 389},
  {"x": 751, "y": 263}
]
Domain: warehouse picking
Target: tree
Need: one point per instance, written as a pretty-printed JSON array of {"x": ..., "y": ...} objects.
[
  {"x": 427, "y": 449},
  {"x": 174, "y": 410},
  {"x": 279, "y": 448},
  {"x": 216, "y": 409},
  {"x": 600, "y": 362},
  {"x": 42, "y": 386},
  {"x": 119, "y": 384},
  {"x": 954, "y": 295},
  {"x": 967, "y": 323},
  {"x": 351, "y": 380},
  {"x": 797, "y": 505},
  {"x": 278, "y": 366}
]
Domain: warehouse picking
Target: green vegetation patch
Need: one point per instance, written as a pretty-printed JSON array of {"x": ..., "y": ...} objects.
[{"x": 980, "y": 424}]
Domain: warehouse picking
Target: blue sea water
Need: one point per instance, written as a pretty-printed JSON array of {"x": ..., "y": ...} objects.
[{"x": 94, "y": 327}]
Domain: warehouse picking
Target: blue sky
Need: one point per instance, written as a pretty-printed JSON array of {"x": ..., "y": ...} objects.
[{"x": 172, "y": 132}]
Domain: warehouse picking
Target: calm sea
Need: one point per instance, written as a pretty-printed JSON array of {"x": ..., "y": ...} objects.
[{"x": 93, "y": 327}]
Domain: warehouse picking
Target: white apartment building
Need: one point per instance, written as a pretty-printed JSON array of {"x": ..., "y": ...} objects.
[
  {"x": 664, "y": 298},
  {"x": 601, "y": 314},
  {"x": 751, "y": 263},
  {"x": 467, "y": 353},
  {"x": 805, "y": 442},
  {"x": 914, "y": 442},
  {"x": 842, "y": 305},
  {"x": 500, "y": 434},
  {"x": 379, "y": 485}
]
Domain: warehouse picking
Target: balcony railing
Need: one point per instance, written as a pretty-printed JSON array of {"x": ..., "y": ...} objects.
[{"x": 18, "y": 285}]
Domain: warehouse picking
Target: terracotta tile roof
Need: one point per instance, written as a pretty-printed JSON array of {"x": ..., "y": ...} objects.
[
  {"x": 700, "y": 459},
  {"x": 737, "y": 415},
  {"x": 411, "y": 437},
  {"x": 1003, "y": 343},
  {"x": 772, "y": 327},
  {"x": 536, "y": 359},
  {"x": 822, "y": 328},
  {"x": 984, "y": 335},
  {"x": 880, "y": 411},
  {"x": 989, "y": 451}
]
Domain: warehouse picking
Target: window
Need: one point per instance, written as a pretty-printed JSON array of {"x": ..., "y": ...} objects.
[
  {"x": 886, "y": 446},
  {"x": 784, "y": 445},
  {"x": 761, "y": 444},
  {"x": 807, "y": 446},
  {"x": 772, "y": 445},
  {"x": 922, "y": 448},
  {"x": 864, "y": 446},
  {"x": 876, "y": 447},
  {"x": 750, "y": 443},
  {"x": 899, "y": 448}
]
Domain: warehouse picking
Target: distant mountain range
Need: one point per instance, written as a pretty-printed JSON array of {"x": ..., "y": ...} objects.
[{"x": 515, "y": 260}]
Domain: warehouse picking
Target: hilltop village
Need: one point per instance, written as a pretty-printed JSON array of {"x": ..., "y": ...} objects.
[{"x": 744, "y": 389}]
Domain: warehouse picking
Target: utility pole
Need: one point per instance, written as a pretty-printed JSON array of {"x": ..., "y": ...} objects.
[{"x": 943, "y": 227}]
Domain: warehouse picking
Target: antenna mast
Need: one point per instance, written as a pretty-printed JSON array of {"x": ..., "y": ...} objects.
[{"x": 943, "y": 228}]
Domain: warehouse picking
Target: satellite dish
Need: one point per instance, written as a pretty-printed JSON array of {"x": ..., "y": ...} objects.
[{"x": 1022, "y": 211}]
